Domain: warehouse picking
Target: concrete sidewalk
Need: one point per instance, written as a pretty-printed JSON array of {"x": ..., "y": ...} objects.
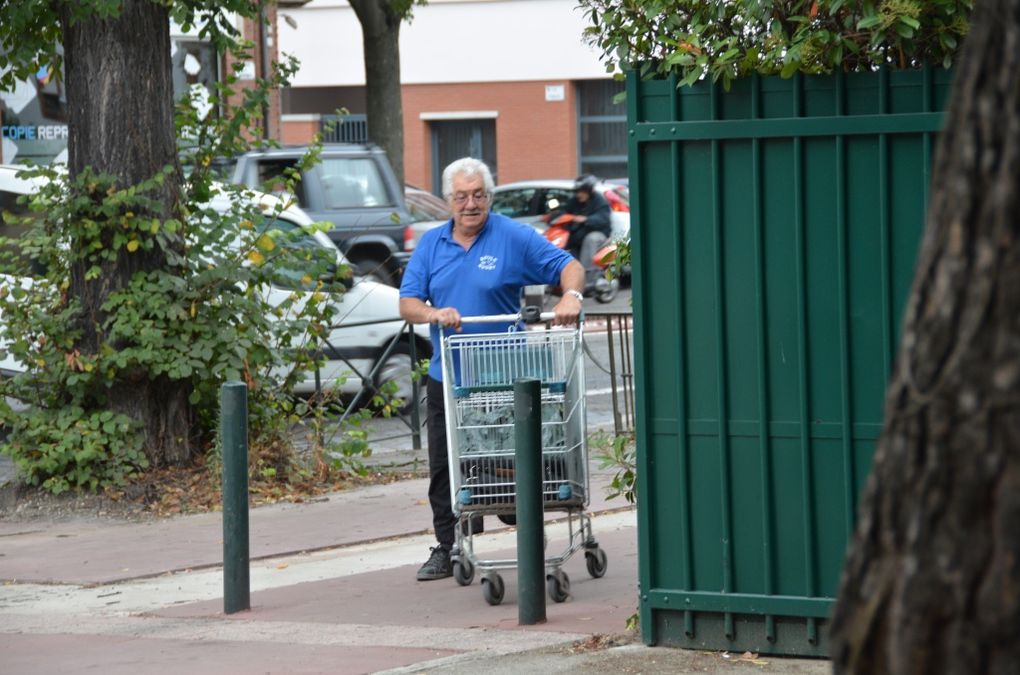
[{"x": 333, "y": 591}]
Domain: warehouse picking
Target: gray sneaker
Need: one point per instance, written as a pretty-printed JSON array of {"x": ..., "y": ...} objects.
[{"x": 438, "y": 566}]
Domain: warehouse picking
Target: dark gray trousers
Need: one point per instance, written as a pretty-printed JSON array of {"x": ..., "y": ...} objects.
[{"x": 443, "y": 520}]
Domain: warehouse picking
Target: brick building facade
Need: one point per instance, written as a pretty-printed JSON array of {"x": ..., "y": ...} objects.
[{"x": 530, "y": 98}]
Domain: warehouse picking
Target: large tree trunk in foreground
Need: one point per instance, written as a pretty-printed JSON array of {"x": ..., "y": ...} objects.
[
  {"x": 120, "y": 105},
  {"x": 932, "y": 580},
  {"x": 380, "y": 32}
]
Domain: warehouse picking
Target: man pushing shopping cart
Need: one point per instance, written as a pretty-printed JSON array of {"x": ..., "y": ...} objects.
[
  {"x": 479, "y": 375},
  {"x": 474, "y": 265}
]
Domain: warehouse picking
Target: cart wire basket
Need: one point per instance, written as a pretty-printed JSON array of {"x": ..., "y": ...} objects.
[{"x": 479, "y": 371}]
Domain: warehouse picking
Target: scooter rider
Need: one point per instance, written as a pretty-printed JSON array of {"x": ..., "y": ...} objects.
[{"x": 589, "y": 229}]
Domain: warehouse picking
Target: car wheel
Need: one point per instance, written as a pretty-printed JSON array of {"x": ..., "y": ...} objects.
[
  {"x": 398, "y": 368},
  {"x": 374, "y": 271}
]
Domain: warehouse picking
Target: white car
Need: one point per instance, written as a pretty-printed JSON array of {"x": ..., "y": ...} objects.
[{"x": 367, "y": 315}]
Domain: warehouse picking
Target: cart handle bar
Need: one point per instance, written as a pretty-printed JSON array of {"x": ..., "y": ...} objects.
[
  {"x": 529, "y": 314},
  {"x": 508, "y": 318}
]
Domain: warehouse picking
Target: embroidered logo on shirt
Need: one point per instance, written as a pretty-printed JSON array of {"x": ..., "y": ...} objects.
[{"x": 487, "y": 262}]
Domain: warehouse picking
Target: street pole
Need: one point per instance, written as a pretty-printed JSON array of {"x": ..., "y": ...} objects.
[
  {"x": 530, "y": 516},
  {"x": 234, "y": 437}
]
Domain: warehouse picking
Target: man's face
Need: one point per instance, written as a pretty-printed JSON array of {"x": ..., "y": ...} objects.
[
  {"x": 469, "y": 202},
  {"x": 581, "y": 196}
]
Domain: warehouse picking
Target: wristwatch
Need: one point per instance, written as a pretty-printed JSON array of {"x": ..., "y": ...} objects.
[{"x": 576, "y": 294}]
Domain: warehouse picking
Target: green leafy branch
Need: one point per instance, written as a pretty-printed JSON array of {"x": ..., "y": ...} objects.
[{"x": 696, "y": 39}]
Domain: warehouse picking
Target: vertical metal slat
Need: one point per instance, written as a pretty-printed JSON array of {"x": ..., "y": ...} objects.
[
  {"x": 720, "y": 326},
  {"x": 807, "y": 463},
  {"x": 763, "y": 407},
  {"x": 884, "y": 242},
  {"x": 849, "y": 491},
  {"x": 687, "y": 560}
]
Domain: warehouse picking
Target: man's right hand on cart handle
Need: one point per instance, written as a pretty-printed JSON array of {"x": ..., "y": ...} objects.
[{"x": 568, "y": 309}]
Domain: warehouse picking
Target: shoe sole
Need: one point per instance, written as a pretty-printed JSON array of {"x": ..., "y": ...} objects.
[{"x": 435, "y": 576}]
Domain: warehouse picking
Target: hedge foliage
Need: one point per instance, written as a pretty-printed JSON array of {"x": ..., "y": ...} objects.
[{"x": 693, "y": 39}]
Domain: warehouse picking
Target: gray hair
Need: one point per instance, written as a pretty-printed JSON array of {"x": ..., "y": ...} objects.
[{"x": 467, "y": 167}]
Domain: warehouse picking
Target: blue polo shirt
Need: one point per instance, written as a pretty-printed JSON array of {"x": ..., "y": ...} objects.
[{"x": 485, "y": 279}]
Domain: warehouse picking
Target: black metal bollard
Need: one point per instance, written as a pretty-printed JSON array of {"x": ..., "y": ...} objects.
[
  {"x": 530, "y": 517},
  {"x": 234, "y": 437}
]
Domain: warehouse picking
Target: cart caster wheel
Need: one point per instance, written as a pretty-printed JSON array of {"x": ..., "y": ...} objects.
[
  {"x": 463, "y": 572},
  {"x": 492, "y": 589},
  {"x": 596, "y": 561},
  {"x": 558, "y": 585}
]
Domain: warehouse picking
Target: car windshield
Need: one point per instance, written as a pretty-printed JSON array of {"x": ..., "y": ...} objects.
[
  {"x": 15, "y": 221},
  {"x": 302, "y": 261},
  {"x": 513, "y": 203}
]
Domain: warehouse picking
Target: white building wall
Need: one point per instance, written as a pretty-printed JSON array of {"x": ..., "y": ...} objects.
[{"x": 447, "y": 41}]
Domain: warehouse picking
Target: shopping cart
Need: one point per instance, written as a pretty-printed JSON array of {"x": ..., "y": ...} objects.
[{"x": 479, "y": 371}]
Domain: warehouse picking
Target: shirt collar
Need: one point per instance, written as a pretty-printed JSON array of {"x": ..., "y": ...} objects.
[{"x": 447, "y": 228}]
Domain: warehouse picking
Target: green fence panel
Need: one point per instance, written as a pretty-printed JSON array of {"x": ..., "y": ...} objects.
[{"x": 775, "y": 231}]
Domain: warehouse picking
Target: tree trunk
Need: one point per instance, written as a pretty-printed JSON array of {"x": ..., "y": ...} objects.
[
  {"x": 380, "y": 31},
  {"x": 932, "y": 579},
  {"x": 120, "y": 109}
]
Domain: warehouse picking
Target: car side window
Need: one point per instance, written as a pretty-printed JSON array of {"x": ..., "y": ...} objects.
[
  {"x": 273, "y": 177},
  {"x": 553, "y": 199},
  {"x": 353, "y": 182},
  {"x": 513, "y": 203}
]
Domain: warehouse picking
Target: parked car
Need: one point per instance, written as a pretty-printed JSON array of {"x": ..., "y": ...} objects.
[
  {"x": 353, "y": 347},
  {"x": 427, "y": 210},
  {"x": 529, "y": 201},
  {"x": 354, "y": 188}
]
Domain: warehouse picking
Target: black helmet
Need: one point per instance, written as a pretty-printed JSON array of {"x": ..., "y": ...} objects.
[{"x": 586, "y": 183}]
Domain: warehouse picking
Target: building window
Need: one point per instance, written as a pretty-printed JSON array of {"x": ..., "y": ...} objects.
[{"x": 602, "y": 129}]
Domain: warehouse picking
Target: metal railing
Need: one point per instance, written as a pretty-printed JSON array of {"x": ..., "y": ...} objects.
[
  {"x": 368, "y": 380},
  {"x": 344, "y": 128},
  {"x": 618, "y": 364},
  {"x": 619, "y": 335}
]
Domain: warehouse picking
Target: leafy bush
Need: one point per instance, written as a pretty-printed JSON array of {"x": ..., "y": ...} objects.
[
  {"x": 726, "y": 40},
  {"x": 202, "y": 318}
]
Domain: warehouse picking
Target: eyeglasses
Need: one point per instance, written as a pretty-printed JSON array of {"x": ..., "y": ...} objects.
[{"x": 480, "y": 197}]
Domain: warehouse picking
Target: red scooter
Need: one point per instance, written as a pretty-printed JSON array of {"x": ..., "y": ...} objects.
[{"x": 558, "y": 234}]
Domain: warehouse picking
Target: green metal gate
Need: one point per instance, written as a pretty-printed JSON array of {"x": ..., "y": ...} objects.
[{"x": 776, "y": 227}]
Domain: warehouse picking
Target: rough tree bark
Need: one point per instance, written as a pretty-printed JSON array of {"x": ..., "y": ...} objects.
[
  {"x": 380, "y": 30},
  {"x": 120, "y": 109},
  {"x": 932, "y": 580}
]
